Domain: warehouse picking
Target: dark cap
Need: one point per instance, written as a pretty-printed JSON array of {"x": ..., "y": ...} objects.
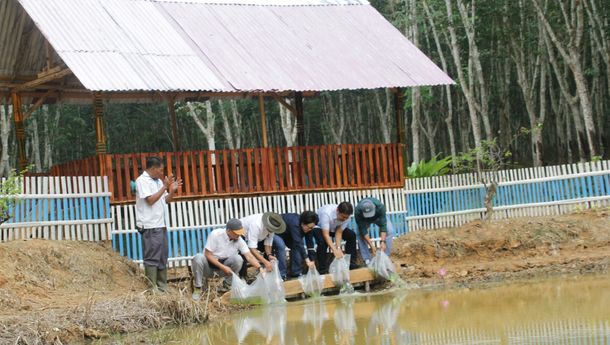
[
  {"x": 236, "y": 226},
  {"x": 368, "y": 208}
]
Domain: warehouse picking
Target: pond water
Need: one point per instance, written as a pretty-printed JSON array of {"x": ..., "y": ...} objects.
[{"x": 564, "y": 310}]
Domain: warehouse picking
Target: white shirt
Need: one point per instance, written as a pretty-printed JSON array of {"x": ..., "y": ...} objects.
[
  {"x": 256, "y": 231},
  {"x": 150, "y": 216},
  {"x": 222, "y": 247},
  {"x": 328, "y": 218}
]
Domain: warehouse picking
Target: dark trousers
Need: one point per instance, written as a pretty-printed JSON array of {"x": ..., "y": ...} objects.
[
  {"x": 155, "y": 247},
  {"x": 321, "y": 256}
]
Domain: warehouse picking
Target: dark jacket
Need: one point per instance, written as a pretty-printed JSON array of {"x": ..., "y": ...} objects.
[
  {"x": 294, "y": 236},
  {"x": 378, "y": 219}
]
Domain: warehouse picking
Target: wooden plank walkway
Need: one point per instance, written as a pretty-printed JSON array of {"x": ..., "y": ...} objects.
[{"x": 293, "y": 288}]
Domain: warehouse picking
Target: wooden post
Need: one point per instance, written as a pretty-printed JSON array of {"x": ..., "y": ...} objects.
[
  {"x": 261, "y": 106},
  {"x": 100, "y": 133},
  {"x": 171, "y": 106},
  {"x": 298, "y": 104},
  {"x": 19, "y": 129},
  {"x": 400, "y": 127}
]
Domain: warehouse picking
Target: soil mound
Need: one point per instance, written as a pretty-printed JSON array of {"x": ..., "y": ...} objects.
[
  {"x": 506, "y": 249},
  {"x": 57, "y": 292},
  {"x": 38, "y": 274}
]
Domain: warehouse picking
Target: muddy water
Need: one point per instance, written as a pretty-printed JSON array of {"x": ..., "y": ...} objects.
[{"x": 558, "y": 311}]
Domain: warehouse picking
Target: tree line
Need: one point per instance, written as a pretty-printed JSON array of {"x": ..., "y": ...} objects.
[{"x": 532, "y": 78}]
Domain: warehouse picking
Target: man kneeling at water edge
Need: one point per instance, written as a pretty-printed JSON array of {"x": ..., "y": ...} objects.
[{"x": 221, "y": 256}]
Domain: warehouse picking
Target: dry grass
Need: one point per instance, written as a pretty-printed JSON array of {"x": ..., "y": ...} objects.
[
  {"x": 58, "y": 292},
  {"x": 98, "y": 319}
]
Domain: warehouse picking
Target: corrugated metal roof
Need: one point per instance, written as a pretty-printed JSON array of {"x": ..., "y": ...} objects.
[{"x": 239, "y": 45}]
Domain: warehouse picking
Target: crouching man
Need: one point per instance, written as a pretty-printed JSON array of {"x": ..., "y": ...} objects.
[{"x": 221, "y": 256}]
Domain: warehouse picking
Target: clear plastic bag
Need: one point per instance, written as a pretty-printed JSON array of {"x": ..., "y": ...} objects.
[
  {"x": 312, "y": 283},
  {"x": 242, "y": 293},
  {"x": 382, "y": 266},
  {"x": 239, "y": 289},
  {"x": 266, "y": 288},
  {"x": 339, "y": 271},
  {"x": 275, "y": 285}
]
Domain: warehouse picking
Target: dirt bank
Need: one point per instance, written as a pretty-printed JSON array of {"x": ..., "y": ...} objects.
[
  {"x": 480, "y": 252},
  {"x": 58, "y": 292}
]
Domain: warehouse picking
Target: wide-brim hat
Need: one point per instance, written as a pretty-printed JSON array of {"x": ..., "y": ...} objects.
[{"x": 274, "y": 223}]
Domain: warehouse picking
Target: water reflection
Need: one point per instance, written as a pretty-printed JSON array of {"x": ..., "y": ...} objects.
[{"x": 566, "y": 311}]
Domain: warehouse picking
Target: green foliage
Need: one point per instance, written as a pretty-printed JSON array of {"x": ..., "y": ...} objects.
[
  {"x": 9, "y": 188},
  {"x": 492, "y": 158},
  {"x": 433, "y": 167}
]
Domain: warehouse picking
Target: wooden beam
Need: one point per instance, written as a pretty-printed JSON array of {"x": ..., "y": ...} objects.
[
  {"x": 45, "y": 78},
  {"x": 36, "y": 105},
  {"x": 67, "y": 92},
  {"x": 293, "y": 288},
  {"x": 283, "y": 102},
  {"x": 100, "y": 133},
  {"x": 261, "y": 107}
]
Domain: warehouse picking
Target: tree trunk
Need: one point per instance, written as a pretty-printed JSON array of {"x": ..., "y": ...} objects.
[
  {"x": 289, "y": 125},
  {"x": 334, "y": 118},
  {"x": 384, "y": 114},
  {"x": 465, "y": 86},
  {"x": 571, "y": 100},
  {"x": 5, "y": 130},
  {"x": 204, "y": 118},
  {"x": 477, "y": 74},
  {"x": 34, "y": 140},
  {"x": 415, "y": 92},
  {"x": 574, "y": 29},
  {"x": 447, "y": 92}
]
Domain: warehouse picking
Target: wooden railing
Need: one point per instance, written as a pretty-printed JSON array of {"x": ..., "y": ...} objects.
[{"x": 254, "y": 171}]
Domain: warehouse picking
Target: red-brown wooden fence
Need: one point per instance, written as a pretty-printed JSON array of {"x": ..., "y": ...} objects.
[{"x": 254, "y": 171}]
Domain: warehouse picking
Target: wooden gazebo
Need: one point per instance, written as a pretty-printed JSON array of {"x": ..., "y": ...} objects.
[{"x": 171, "y": 50}]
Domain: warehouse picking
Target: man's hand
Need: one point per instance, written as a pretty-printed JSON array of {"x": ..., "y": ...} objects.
[
  {"x": 171, "y": 184},
  {"x": 271, "y": 257},
  {"x": 373, "y": 250},
  {"x": 382, "y": 246},
  {"x": 227, "y": 270},
  {"x": 268, "y": 266},
  {"x": 338, "y": 253},
  {"x": 310, "y": 264}
]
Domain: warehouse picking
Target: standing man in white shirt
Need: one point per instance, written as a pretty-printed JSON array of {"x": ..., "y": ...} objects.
[
  {"x": 260, "y": 229},
  {"x": 221, "y": 255},
  {"x": 333, "y": 223},
  {"x": 153, "y": 191}
]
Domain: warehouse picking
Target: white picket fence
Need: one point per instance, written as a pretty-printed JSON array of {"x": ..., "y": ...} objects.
[
  {"x": 450, "y": 201},
  {"x": 192, "y": 221},
  {"x": 78, "y": 208},
  {"x": 61, "y": 208}
]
